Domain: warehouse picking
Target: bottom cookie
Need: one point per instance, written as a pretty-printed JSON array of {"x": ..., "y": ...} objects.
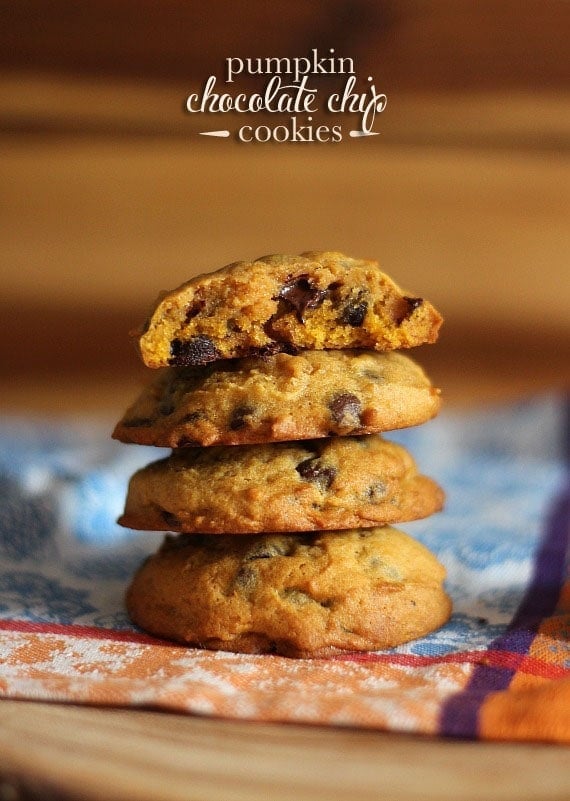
[{"x": 299, "y": 595}]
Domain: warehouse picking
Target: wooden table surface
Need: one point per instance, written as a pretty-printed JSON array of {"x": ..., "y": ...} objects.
[{"x": 53, "y": 751}]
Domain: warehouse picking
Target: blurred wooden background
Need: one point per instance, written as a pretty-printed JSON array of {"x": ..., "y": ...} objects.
[{"x": 110, "y": 195}]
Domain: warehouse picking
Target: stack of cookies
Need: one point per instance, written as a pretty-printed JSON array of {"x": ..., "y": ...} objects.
[{"x": 277, "y": 380}]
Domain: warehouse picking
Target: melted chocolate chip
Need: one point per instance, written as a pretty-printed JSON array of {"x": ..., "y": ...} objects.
[
  {"x": 345, "y": 405},
  {"x": 301, "y": 295},
  {"x": 311, "y": 470},
  {"x": 198, "y": 350},
  {"x": 407, "y": 308},
  {"x": 354, "y": 312},
  {"x": 194, "y": 310},
  {"x": 238, "y": 419}
]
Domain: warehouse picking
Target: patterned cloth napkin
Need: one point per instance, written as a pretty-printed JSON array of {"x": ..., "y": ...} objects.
[{"x": 500, "y": 669}]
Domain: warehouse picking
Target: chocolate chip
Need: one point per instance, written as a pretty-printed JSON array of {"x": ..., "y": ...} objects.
[
  {"x": 187, "y": 442},
  {"x": 373, "y": 375},
  {"x": 345, "y": 405},
  {"x": 198, "y": 350},
  {"x": 265, "y": 352},
  {"x": 174, "y": 388},
  {"x": 406, "y": 308},
  {"x": 194, "y": 310},
  {"x": 354, "y": 312},
  {"x": 167, "y": 407},
  {"x": 301, "y": 294},
  {"x": 138, "y": 422},
  {"x": 413, "y": 303},
  {"x": 311, "y": 470},
  {"x": 268, "y": 550},
  {"x": 376, "y": 492},
  {"x": 169, "y": 518},
  {"x": 296, "y": 597},
  {"x": 178, "y": 542},
  {"x": 246, "y": 579},
  {"x": 192, "y": 417},
  {"x": 307, "y": 539},
  {"x": 239, "y": 417}
]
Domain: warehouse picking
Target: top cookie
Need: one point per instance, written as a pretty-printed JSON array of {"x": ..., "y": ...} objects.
[{"x": 317, "y": 301}]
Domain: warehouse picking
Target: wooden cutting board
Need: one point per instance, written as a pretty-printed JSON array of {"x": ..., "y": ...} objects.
[{"x": 57, "y": 751}]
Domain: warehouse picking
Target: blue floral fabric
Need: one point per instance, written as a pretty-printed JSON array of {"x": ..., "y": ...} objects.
[{"x": 64, "y": 559}]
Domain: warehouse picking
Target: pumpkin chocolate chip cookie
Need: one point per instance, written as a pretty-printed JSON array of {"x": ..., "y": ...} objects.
[
  {"x": 303, "y": 595},
  {"x": 318, "y": 300},
  {"x": 283, "y": 397},
  {"x": 341, "y": 482}
]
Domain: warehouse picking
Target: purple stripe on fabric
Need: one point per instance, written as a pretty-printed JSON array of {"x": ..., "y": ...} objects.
[{"x": 460, "y": 715}]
